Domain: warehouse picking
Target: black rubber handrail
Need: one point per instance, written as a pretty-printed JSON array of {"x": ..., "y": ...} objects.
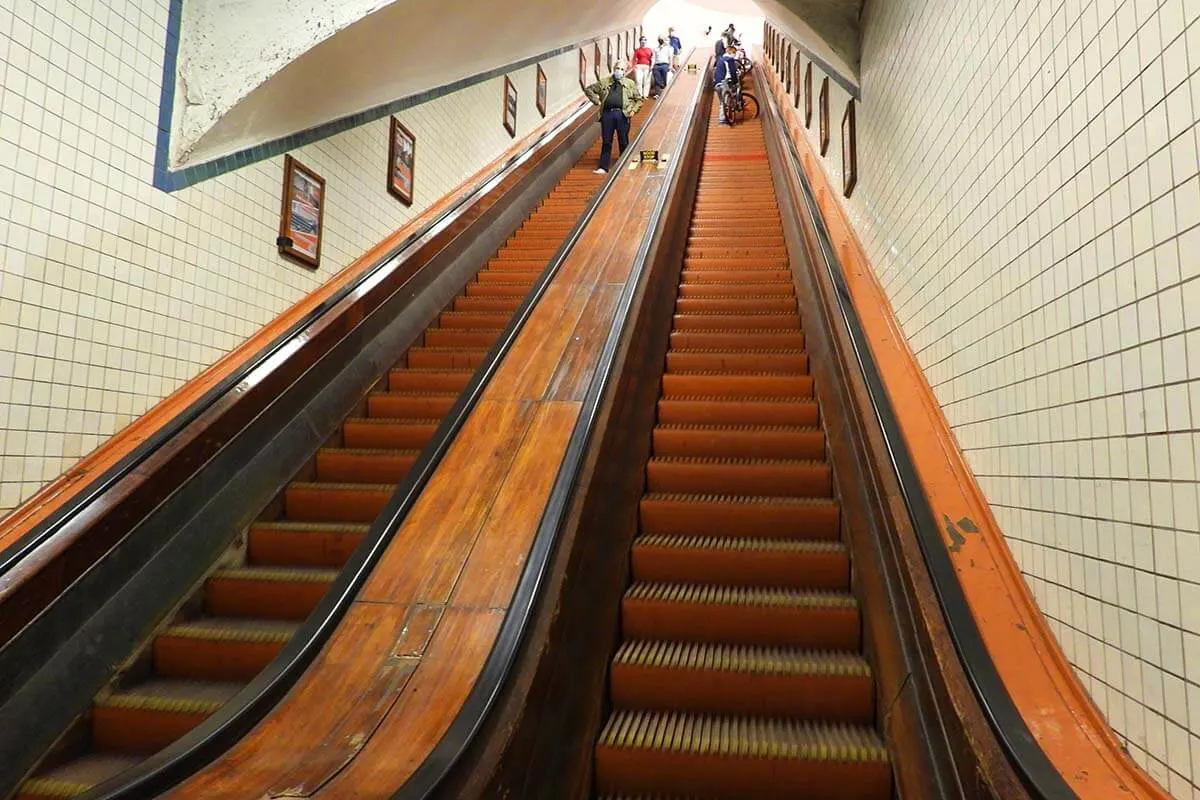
[
  {"x": 426, "y": 779},
  {"x": 1029, "y": 761},
  {"x": 220, "y": 731},
  {"x": 12, "y": 555}
]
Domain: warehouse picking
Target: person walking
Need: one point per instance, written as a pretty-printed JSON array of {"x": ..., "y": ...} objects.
[
  {"x": 619, "y": 99},
  {"x": 676, "y": 47},
  {"x": 662, "y": 64},
  {"x": 725, "y": 80},
  {"x": 643, "y": 60}
]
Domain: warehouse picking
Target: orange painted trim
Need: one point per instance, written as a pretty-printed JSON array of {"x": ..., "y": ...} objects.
[
  {"x": 25, "y": 517},
  {"x": 1045, "y": 688}
]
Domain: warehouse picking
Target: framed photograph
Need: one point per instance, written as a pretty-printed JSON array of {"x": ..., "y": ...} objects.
[
  {"x": 596, "y": 56},
  {"x": 849, "y": 151},
  {"x": 628, "y": 44},
  {"x": 608, "y": 53},
  {"x": 302, "y": 214},
  {"x": 402, "y": 149},
  {"x": 583, "y": 81},
  {"x": 824, "y": 100},
  {"x": 798, "y": 82},
  {"x": 542, "y": 90},
  {"x": 808, "y": 96},
  {"x": 510, "y": 107}
]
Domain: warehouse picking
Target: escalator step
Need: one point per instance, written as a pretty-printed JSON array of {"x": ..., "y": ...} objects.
[
  {"x": 76, "y": 776},
  {"x": 785, "y": 339},
  {"x": 462, "y": 337},
  {"x": 303, "y": 544},
  {"x": 340, "y": 465},
  {"x": 410, "y": 405},
  {"x": 742, "y": 476},
  {"x": 382, "y": 433},
  {"x": 732, "y": 757},
  {"x": 732, "y": 411},
  {"x": 739, "y": 441},
  {"x": 761, "y": 288},
  {"x": 736, "y": 304},
  {"x": 716, "y": 384},
  {"x": 336, "y": 502},
  {"x": 508, "y": 277},
  {"x": 742, "y": 679},
  {"x": 149, "y": 716},
  {"x": 743, "y": 320},
  {"x": 429, "y": 380},
  {"x": 758, "y": 263},
  {"x": 739, "y": 561},
  {"x": 447, "y": 358},
  {"x": 219, "y": 649},
  {"x": 266, "y": 592},
  {"x": 730, "y": 273},
  {"x": 499, "y": 288},
  {"x": 753, "y": 517},
  {"x": 473, "y": 320},
  {"x": 691, "y": 612},
  {"x": 758, "y": 360},
  {"x": 466, "y": 302}
]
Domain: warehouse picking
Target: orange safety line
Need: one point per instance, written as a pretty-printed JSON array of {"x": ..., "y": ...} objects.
[{"x": 1042, "y": 683}]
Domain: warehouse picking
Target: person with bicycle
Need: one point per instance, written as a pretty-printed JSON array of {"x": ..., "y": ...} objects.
[{"x": 726, "y": 79}]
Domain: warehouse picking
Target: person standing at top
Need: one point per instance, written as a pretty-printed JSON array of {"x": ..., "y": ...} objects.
[
  {"x": 676, "y": 46},
  {"x": 643, "y": 60},
  {"x": 662, "y": 64},
  {"x": 725, "y": 80},
  {"x": 618, "y": 99}
]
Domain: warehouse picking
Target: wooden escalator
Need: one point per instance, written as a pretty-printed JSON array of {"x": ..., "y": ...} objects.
[
  {"x": 740, "y": 671},
  {"x": 267, "y": 584}
]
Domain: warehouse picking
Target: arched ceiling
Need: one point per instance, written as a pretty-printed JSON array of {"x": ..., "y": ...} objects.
[{"x": 252, "y": 71}]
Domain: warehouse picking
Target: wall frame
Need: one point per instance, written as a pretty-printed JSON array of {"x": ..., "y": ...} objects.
[
  {"x": 301, "y": 214},
  {"x": 510, "y": 107},
  {"x": 824, "y": 113},
  {"x": 849, "y": 150},
  {"x": 608, "y": 54},
  {"x": 798, "y": 82},
  {"x": 787, "y": 68},
  {"x": 543, "y": 90},
  {"x": 402, "y": 160},
  {"x": 596, "y": 56},
  {"x": 808, "y": 104},
  {"x": 583, "y": 81}
]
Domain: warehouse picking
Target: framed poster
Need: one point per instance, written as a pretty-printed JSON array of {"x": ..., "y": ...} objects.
[
  {"x": 510, "y": 107},
  {"x": 798, "y": 82},
  {"x": 787, "y": 68},
  {"x": 596, "y": 55},
  {"x": 849, "y": 151},
  {"x": 608, "y": 54},
  {"x": 402, "y": 149},
  {"x": 824, "y": 100},
  {"x": 583, "y": 82},
  {"x": 542, "y": 87},
  {"x": 808, "y": 95},
  {"x": 302, "y": 215}
]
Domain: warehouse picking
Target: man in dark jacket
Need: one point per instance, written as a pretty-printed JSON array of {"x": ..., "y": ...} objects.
[
  {"x": 619, "y": 99},
  {"x": 725, "y": 79}
]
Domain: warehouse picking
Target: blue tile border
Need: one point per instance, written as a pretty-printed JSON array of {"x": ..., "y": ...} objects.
[{"x": 169, "y": 180}]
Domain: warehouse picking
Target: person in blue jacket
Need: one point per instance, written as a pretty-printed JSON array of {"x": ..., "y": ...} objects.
[
  {"x": 676, "y": 45},
  {"x": 725, "y": 79}
]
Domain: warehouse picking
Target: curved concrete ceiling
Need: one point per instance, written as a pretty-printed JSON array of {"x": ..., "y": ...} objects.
[{"x": 252, "y": 71}]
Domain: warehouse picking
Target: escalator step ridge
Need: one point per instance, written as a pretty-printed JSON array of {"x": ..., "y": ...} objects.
[
  {"x": 739, "y": 461},
  {"x": 76, "y": 777},
  {"x": 747, "y": 313},
  {"x": 681, "y": 426},
  {"x": 307, "y": 527},
  {"x": 713, "y": 594},
  {"x": 392, "y": 420},
  {"x": 233, "y": 630},
  {"x": 764, "y": 659},
  {"x": 717, "y": 398},
  {"x": 173, "y": 696},
  {"x": 411, "y": 393},
  {"x": 744, "y": 500},
  {"x": 737, "y": 543},
  {"x": 279, "y": 574},
  {"x": 746, "y": 737},
  {"x": 364, "y": 451},
  {"x": 725, "y": 351}
]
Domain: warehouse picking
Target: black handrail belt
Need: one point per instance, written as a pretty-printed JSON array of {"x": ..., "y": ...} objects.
[
  {"x": 220, "y": 731},
  {"x": 1030, "y": 762},
  {"x": 496, "y": 670}
]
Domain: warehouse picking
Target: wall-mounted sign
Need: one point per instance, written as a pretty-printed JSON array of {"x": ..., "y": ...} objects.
[
  {"x": 693, "y": 69},
  {"x": 542, "y": 90},
  {"x": 824, "y": 102},
  {"x": 510, "y": 107},
  {"x": 849, "y": 150},
  {"x": 302, "y": 216}
]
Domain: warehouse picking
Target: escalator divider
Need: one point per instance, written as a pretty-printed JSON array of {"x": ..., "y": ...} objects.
[
  {"x": 238, "y": 716},
  {"x": 425, "y": 781},
  {"x": 1026, "y": 756}
]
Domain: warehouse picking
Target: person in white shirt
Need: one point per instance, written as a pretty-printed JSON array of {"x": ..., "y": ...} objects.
[{"x": 662, "y": 63}]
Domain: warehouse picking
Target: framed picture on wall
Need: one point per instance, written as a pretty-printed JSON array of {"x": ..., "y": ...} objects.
[
  {"x": 510, "y": 107},
  {"x": 849, "y": 150},
  {"x": 583, "y": 81},
  {"x": 808, "y": 95},
  {"x": 596, "y": 56},
  {"x": 608, "y": 58},
  {"x": 824, "y": 100},
  {"x": 302, "y": 215},
  {"x": 402, "y": 157},
  {"x": 542, "y": 90},
  {"x": 787, "y": 68}
]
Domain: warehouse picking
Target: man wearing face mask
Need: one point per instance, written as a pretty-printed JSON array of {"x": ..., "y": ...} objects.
[{"x": 619, "y": 99}]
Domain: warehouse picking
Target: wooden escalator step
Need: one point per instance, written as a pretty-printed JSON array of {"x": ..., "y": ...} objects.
[{"x": 741, "y": 561}]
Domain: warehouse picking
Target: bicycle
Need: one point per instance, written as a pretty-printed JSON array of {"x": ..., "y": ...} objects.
[{"x": 739, "y": 104}]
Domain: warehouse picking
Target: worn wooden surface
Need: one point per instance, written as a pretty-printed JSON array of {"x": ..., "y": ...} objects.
[{"x": 366, "y": 714}]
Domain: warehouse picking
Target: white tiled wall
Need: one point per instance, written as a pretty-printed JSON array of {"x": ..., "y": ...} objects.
[
  {"x": 1029, "y": 195},
  {"x": 112, "y": 293}
]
